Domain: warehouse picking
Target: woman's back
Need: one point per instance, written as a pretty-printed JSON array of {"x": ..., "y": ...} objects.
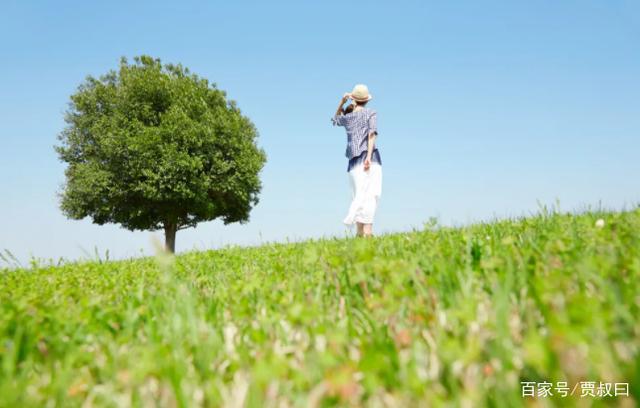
[{"x": 358, "y": 124}]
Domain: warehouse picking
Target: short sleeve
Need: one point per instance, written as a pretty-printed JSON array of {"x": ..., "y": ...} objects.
[
  {"x": 338, "y": 120},
  {"x": 373, "y": 122}
]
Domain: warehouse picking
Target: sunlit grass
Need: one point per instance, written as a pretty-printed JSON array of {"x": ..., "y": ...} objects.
[{"x": 439, "y": 317}]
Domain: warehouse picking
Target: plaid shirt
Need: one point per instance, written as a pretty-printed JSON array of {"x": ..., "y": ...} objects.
[{"x": 358, "y": 125}]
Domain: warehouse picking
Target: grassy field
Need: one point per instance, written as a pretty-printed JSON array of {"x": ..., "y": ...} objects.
[{"x": 437, "y": 317}]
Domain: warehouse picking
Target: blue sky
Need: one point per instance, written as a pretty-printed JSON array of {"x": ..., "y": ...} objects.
[{"x": 486, "y": 108}]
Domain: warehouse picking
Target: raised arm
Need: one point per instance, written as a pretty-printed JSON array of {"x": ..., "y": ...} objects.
[{"x": 344, "y": 99}]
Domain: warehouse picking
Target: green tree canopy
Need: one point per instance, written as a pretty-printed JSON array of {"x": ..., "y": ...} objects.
[{"x": 153, "y": 146}]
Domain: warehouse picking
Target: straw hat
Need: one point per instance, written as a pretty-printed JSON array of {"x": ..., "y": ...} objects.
[{"x": 361, "y": 93}]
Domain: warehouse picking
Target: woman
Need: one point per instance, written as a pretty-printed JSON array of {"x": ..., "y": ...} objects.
[{"x": 365, "y": 165}]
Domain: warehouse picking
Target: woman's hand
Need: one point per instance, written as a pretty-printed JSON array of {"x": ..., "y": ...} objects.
[
  {"x": 339, "y": 111},
  {"x": 367, "y": 164},
  {"x": 344, "y": 99}
]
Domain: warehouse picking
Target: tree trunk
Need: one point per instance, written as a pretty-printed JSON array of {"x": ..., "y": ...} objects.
[{"x": 170, "y": 229}]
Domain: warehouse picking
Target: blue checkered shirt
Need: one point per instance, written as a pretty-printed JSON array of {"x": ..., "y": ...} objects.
[{"x": 358, "y": 125}]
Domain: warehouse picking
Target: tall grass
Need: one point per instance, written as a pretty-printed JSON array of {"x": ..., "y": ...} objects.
[{"x": 438, "y": 317}]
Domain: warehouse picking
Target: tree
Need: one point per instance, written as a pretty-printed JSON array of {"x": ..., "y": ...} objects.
[{"x": 153, "y": 146}]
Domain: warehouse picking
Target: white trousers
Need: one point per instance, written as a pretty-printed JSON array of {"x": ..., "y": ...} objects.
[{"x": 366, "y": 187}]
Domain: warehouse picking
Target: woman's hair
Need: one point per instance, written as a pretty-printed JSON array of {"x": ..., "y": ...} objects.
[{"x": 349, "y": 108}]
